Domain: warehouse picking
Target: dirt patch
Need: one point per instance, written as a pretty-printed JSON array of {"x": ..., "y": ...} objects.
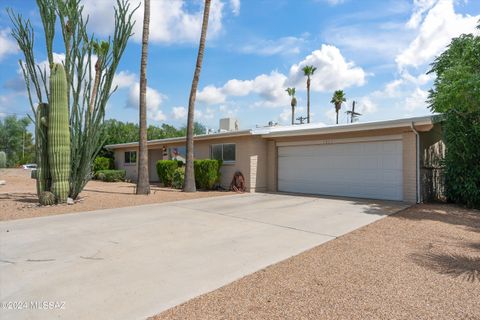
[
  {"x": 18, "y": 197},
  {"x": 422, "y": 263}
]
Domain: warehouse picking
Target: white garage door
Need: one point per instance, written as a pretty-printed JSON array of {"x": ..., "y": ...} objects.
[{"x": 360, "y": 169}]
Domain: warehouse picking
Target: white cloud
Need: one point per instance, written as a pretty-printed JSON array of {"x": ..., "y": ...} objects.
[
  {"x": 123, "y": 79},
  {"x": 333, "y": 71},
  {"x": 171, "y": 21},
  {"x": 416, "y": 100},
  {"x": 335, "y": 2},
  {"x": 238, "y": 88},
  {"x": 207, "y": 114},
  {"x": 439, "y": 26},
  {"x": 420, "y": 7},
  {"x": 270, "y": 87},
  {"x": 57, "y": 58},
  {"x": 154, "y": 101},
  {"x": 286, "y": 116},
  {"x": 365, "y": 105},
  {"x": 375, "y": 42},
  {"x": 7, "y": 44},
  {"x": 211, "y": 95},
  {"x": 179, "y": 113},
  {"x": 235, "y": 5},
  {"x": 284, "y": 46}
]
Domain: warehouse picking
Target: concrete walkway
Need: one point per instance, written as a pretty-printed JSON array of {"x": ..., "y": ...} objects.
[{"x": 131, "y": 263}]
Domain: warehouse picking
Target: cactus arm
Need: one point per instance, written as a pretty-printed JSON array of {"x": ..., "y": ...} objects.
[{"x": 41, "y": 141}]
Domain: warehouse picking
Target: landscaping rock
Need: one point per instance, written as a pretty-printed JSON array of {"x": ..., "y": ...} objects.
[
  {"x": 70, "y": 201},
  {"x": 3, "y": 182}
]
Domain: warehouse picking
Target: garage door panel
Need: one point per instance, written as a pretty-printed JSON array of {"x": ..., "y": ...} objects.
[{"x": 364, "y": 169}]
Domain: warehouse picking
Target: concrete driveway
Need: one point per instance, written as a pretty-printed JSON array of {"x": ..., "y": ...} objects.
[{"x": 131, "y": 263}]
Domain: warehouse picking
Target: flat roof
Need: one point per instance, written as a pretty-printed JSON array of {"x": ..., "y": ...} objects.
[{"x": 293, "y": 130}]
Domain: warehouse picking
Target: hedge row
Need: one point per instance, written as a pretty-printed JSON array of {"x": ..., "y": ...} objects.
[
  {"x": 110, "y": 175},
  {"x": 172, "y": 174}
]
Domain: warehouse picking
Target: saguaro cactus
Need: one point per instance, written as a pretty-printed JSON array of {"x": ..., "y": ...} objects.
[
  {"x": 59, "y": 134},
  {"x": 3, "y": 159},
  {"x": 41, "y": 142}
]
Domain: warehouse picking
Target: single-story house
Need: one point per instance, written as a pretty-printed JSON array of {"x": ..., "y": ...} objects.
[{"x": 378, "y": 160}]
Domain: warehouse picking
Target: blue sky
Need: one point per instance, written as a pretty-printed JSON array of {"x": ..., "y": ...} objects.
[{"x": 377, "y": 51}]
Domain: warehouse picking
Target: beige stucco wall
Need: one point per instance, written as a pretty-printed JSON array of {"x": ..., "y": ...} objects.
[
  {"x": 272, "y": 161},
  {"x": 131, "y": 169},
  {"x": 409, "y": 167},
  {"x": 256, "y": 158},
  {"x": 153, "y": 156},
  {"x": 251, "y": 160}
]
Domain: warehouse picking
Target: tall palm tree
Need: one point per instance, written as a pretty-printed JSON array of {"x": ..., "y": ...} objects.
[
  {"x": 293, "y": 103},
  {"x": 143, "y": 183},
  {"x": 308, "y": 71},
  {"x": 337, "y": 99},
  {"x": 189, "y": 185}
]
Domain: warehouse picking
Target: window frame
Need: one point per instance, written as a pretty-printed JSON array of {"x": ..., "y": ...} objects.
[
  {"x": 222, "y": 152},
  {"x": 130, "y": 157}
]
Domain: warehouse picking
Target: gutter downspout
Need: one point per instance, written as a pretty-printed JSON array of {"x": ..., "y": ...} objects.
[{"x": 417, "y": 156}]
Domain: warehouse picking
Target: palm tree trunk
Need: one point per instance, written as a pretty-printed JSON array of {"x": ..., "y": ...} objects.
[
  {"x": 293, "y": 115},
  {"x": 189, "y": 171},
  {"x": 337, "y": 116},
  {"x": 143, "y": 184},
  {"x": 308, "y": 99}
]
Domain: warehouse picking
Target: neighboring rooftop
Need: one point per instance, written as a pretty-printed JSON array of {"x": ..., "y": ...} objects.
[{"x": 295, "y": 130}]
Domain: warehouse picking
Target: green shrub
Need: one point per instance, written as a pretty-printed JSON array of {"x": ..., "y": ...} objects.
[
  {"x": 165, "y": 171},
  {"x": 3, "y": 159},
  {"x": 207, "y": 173},
  {"x": 462, "y": 158},
  {"x": 102, "y": 163},
  {"x": 178, "y": 178},
  {"x": 110, "y": 175}
]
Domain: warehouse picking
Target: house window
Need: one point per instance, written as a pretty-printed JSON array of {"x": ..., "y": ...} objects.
[
  {"x": 130, "y": 157},
  {"x": 225, "y": 152}
]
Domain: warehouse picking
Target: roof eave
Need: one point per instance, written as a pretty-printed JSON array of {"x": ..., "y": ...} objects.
[
  {"x": 357, "y": 127},
  {"x": 181, "y": 139}
]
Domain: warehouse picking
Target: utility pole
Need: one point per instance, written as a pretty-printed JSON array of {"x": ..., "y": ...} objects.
[
  {"x": 353, "y": 115},
  {"x": 302, "y": 119}
]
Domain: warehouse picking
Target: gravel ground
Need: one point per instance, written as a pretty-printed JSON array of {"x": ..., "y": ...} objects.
[
  {"x": 18, "y": 197},
  {"x": 422, "y": 263}
]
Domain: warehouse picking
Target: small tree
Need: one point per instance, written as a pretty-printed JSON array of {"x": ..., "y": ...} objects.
[
  {"x": 3, "y": 159},
  {"x": 293, "y": 102},
  {"x": 337, "y": 99},
  {"x": 456, "y": 94},
  {"x": 86, "y": 97}
]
